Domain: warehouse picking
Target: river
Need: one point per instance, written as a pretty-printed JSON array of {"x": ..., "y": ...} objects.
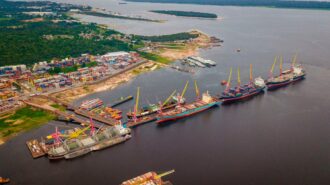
[{"x": 280, "y": 137}]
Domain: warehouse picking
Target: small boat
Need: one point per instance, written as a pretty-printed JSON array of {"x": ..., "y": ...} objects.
[
  {"x": 183, "y": 111},
  {"x": 241, "y": 92},
  {"x": 4, "y": 180},
  {"x": 121, "y": 100}
]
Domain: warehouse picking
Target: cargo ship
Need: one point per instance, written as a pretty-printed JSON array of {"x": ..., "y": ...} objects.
[
  {"x": 296, "y": 70},
  {"x": 275, "y": 82},
  {"x": 150, "y": 178},
  {"x": 183, "y": 111},
  {"x": 79, "y": 143},
  {"x": 139, "y": 121},
  {"x": 121, "y": 100},
  {"x": 151, "y": 109},
  {"x": 241, "y": 92},
  {"x": 91, "y": 104}
]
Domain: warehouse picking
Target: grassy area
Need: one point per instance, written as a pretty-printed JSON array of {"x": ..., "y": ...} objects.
[
  {"x": 156, "y": 58},
  {"x": 173, "y": 45},
  {"x": 59, "y": 107},
  {"x": 22, "y": 120},
  {"x": 166, "y": 38}
]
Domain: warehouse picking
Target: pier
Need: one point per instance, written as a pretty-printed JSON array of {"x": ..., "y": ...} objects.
[{"x": 35, "y": 148}]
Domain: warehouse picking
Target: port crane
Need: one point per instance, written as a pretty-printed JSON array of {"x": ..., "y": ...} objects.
[
  {"x": 272, "y": 69},
  {"x": 181, "y": 97},
  {"x": 165, "y": 174},
  {"x": 251, "y": 74},
  {"x": 169, "y": 98},
  {"x": 238, "y": 80},
  {"x": 184, "y": 89},
  {"x": 229, "y": 79},
  {"x": 57, "y": 135},
  {"x": 281, "y": 65},
  {"x": 197, "y": 90}
]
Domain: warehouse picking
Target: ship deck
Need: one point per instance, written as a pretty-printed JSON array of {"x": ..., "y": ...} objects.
[{"x": 35, "y": 148}]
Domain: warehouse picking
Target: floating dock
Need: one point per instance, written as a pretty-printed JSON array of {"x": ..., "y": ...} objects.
[
  {"x": 35, "y": 148},
  {"x": 121, "y": 101}
]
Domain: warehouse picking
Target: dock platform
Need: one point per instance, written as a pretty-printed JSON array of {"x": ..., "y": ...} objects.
[{"x": 35, "y": 148}]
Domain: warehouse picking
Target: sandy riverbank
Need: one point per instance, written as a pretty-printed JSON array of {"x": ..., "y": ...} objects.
[{"x": 180, "y": 50}]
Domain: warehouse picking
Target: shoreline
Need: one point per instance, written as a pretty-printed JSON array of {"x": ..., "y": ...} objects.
[
  {"x": 112, "y": 82},
  {"x": 109, "y": 83}
]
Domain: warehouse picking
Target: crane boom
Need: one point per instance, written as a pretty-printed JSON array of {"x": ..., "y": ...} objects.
[
  {"x": 273, "y": 66},
  {"x": 185, "y": 89},
  {"x": 281, "y": 65},
  {"x": 238, "y": 77},
  {"x": 77, "y": 133},
  {"x": 251, "y": 73},
  {"x": 168, "y": 99},
  {"x": 137, "y": 100},
  {"x": 229, "y": 79},
  {"x": 196, "y": 89},
  {"x": 165, "y": 173},
  {"x": 294, "y": 59}
]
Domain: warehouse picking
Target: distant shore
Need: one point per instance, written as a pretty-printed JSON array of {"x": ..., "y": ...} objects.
[{"x": 291, "y": 4}]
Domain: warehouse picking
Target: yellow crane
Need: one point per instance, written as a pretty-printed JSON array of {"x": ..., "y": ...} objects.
[
  {"x": 294, "y": 59},
  {"x": 251, "y": 73},
  {"x": 238, "y": 77},
  {"x": 165, "y": 174},
  {"x": 273, "y": 66},
  {"x": 77, "y": 133},
  {"x": 169, "y": 98},
  {"x": 281, "y": 65},
  {"x": 197, "y": 90},
  {"x": 185, "y": 89},
  {"x": 229, "y": 79},
  {"x": 72, "y": 135},
  {"x": 137, "y": 101}
]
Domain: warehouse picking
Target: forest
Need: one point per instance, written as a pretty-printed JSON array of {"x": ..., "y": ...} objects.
[
  {"x": 23, "y": 41},
  {"x": 167, "y": 38},
  {"x": 186, "y": 13},
  {"x": 261, "y": 3}
]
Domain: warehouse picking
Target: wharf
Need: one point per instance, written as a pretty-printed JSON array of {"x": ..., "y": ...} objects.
[
  {"x": 141, "y": 121},
  {"x": 86, "y": 114},
  {"x": 35, "y": 148}
]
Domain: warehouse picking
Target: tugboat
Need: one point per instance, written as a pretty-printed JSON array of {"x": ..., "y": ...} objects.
[
  {"x": 275, "y": 82},
  {"x": 253, "y": 88},
  {"x": 183, "y": 111}
]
